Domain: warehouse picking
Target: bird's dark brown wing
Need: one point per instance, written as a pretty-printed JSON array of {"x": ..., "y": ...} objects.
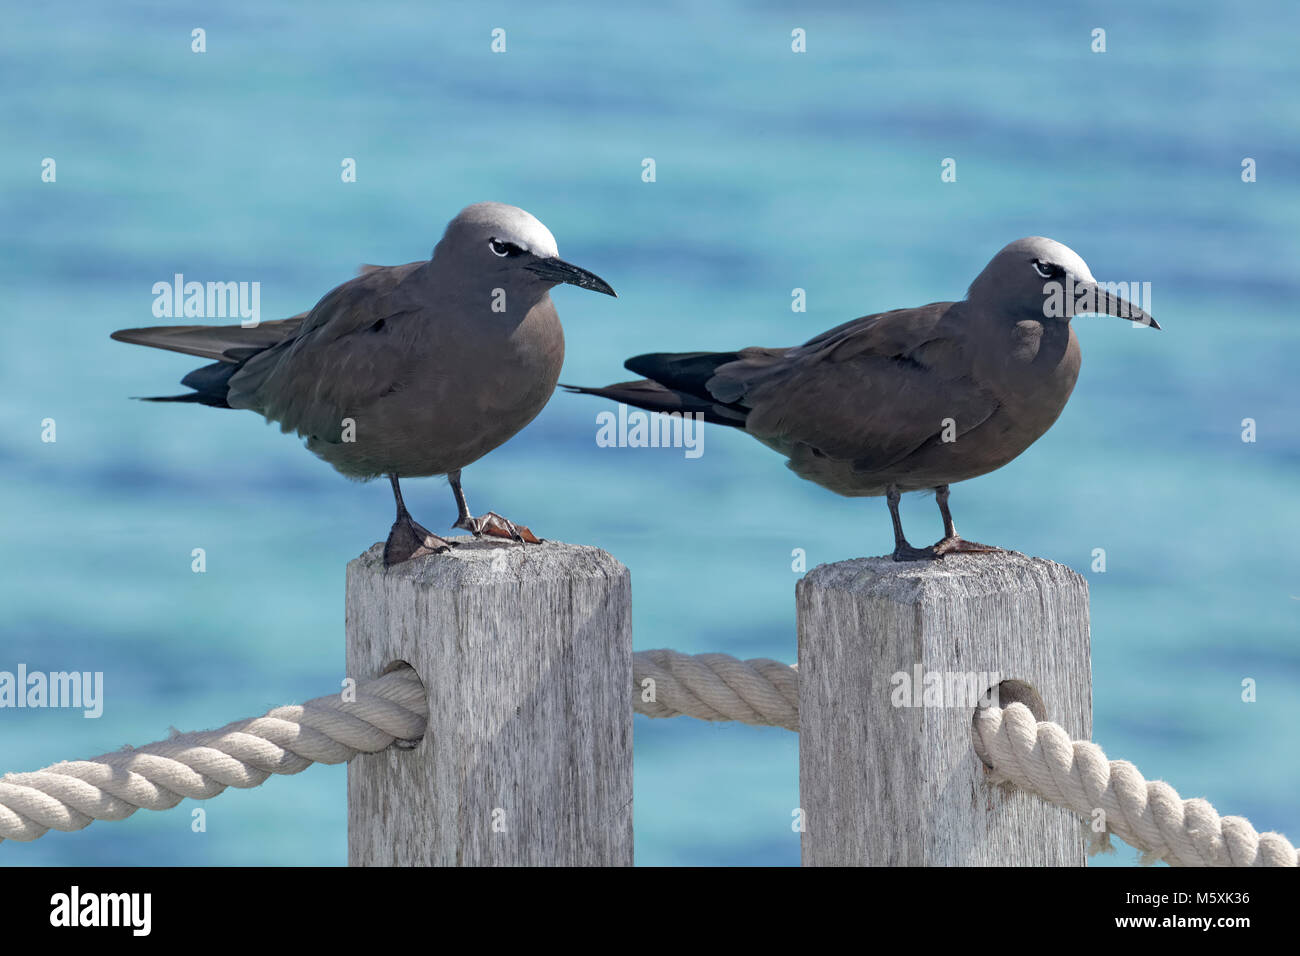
[
  {"x": 869, "y": 392},
  {"x": 343, "y": 356}
]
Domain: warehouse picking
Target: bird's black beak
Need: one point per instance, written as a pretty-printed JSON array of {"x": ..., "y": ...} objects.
[
  {"x": 1099, "y": 300},
  {"x": 557, "y": 270}
]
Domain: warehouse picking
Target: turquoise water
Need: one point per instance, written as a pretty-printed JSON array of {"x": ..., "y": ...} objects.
[{"x": 774, "y": 171}]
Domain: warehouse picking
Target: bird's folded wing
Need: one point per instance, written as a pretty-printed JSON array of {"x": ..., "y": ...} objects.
[
  {"x": 869, "y": 392},
  {"x": 347, "y": 353},
  {"x": 887, "y": 334}
]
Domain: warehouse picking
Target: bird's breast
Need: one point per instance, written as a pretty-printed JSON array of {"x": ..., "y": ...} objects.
[
  {"x": 464, "y": 391},
  {"x": 1034, "y": 379},
  {"x": 504, "y": 371}
]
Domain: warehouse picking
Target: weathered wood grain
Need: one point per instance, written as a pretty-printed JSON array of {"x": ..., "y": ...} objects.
[
  {"x": 889, "y": 785},
  {"x": 526, "y": 655}
]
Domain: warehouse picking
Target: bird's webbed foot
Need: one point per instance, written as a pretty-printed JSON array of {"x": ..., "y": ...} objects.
[
  {"x": 957, "y": 545},
  {"x": 942, "y": 548},
  {"x": 409, "y": 539},
  {"x": 905, "y": 552},
  {"x": 493, "y": 524}
]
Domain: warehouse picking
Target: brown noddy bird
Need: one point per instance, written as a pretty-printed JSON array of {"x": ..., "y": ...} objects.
[
  {"x": 410, "y": 370},
  {"x": 906, "y": 400}
]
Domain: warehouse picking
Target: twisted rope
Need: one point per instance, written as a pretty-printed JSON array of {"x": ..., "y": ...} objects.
[
  {"x": 1039, "y": 758},
  {"x": 72, "y": 794},
  {"x": 1075, "y": 774},
  {"x": 716, "y": 687}
]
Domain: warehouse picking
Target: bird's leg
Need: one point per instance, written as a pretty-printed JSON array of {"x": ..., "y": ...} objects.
[
  {"x": 407, "y": 539},
  {"x": 488, "y": 523},
  {"x": 949, "y": 527},
  {"x": 902, "y": 550},
  {"x": 951, "y": 543}
]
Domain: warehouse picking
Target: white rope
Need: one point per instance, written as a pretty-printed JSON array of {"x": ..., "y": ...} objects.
[
  {"x": 1037, "y": 757},
  {"x": 1075, "y": 774},
  {"x": 72, "y": 794},
  {"x": 716, "y": 687}
]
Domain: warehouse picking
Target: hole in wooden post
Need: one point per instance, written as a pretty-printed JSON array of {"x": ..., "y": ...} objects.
[
  {"x": 1018, "y": 692},
  {"x": 398, "y": 665},
  {"x": 1010, "y": 692}
]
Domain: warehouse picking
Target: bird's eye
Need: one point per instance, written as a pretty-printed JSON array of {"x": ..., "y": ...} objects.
[
  {"x": 1047, "y": 270},
  {"x": 498, "y": 247}
]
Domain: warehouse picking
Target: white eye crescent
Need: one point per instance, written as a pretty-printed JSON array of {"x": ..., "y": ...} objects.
[
  {"x": 498, "y": 247},
  {"x": 1047, "y": 270}
]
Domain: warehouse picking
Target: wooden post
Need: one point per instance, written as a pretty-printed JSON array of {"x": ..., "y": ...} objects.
[
  {"x": 526, "y": 655},
  {"x": 887, "y": 773}
]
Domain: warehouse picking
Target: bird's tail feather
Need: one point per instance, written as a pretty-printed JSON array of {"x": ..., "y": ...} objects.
[
  {"x": 210, "y": 384},
  {"x": 687, "y": 372},
  {"x": 230, "y": 345},
  {"x": 659, "y": 398}
]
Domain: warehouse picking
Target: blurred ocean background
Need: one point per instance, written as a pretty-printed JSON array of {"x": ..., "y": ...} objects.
[{"x": 775, "y": 170}]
